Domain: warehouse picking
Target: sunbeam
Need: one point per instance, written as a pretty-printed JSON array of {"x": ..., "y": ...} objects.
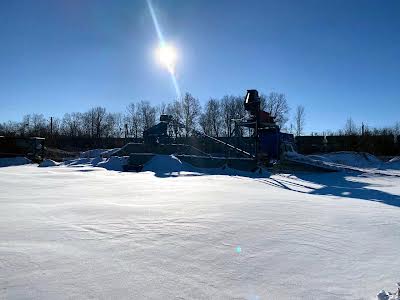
[{"x": 166, "y": 53}]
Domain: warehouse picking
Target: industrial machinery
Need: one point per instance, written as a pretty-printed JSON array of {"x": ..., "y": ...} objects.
[
  {"x": 271, "y": 146},
  {"x": 266, "y": 135},
  {"x": 270, "y": 143},
  {"x": 30, "y": 147}
]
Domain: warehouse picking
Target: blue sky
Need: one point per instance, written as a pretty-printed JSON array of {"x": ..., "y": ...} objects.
[{"x": 337, "y": 58}]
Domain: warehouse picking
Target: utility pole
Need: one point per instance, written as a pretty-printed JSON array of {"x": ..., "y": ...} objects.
[{"x": 51, "y": 127}]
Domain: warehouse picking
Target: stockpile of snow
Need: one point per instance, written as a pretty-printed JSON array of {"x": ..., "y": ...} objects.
[
  {"x": 114, "y": 163},
  {"x": 393, "y": 164},
  {"x": 311, "y": 161},
  {"x": 14, "y": 161},
  {"x": 167, "y": 164},
  {"x": 349, "y": 158},
  {"x": 48, "y": 163},
  {"x": 106, "y": 153}
]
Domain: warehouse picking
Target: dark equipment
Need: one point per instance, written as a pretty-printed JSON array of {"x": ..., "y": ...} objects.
[
  {"x": 271, "y": 146},
  {"x": 30, "y": 147},
  {"x": 269, "y": 142}
]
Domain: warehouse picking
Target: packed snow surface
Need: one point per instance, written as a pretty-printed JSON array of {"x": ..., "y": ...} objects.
[{"x": 83, "y": 232}]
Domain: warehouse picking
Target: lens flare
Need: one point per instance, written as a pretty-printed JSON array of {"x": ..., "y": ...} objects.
[{"x": 167, "y": 56}]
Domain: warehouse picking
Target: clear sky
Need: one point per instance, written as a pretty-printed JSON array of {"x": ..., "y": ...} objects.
[{"x": 337, "y": 58}]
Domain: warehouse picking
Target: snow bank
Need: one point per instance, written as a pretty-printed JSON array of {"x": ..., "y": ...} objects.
[
  {"x": 393, "y": 164},
  {"x": 114, "y": 163},
  {"x": 311, "y": 161},
  {"x": 48, "y": 163},
  {"x": 14, "y": 161},
  {"x": 349, "y": 158},
  {"x": 98, "y": 153},
  {"x": 167, "y": 164}
]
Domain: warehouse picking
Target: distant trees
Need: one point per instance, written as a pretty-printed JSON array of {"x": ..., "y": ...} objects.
[
  {"x": 299, "y": 120},
  {"x": 216, "y": 118}
]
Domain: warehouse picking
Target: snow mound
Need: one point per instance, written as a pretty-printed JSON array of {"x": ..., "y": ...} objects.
[
  {"x": 98, "y": 153},
  {"x": 14, "y": 161},
  {"x": 393, "y": 164},
  {"x": 167, "y": 164},
  {"x": 395, "y": 159},
  {"x": 349, "y": 158},
  {"x": 48, "y": 163},
  {"x": 311, "y": 161},
  {"x": 114, "y": 163}
]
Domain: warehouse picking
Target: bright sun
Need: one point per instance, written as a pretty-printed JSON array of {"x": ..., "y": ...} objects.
[{"x": 167, "y": 56}]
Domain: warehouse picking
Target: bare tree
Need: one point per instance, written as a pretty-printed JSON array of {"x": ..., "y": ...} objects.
[
  {"x": 71, "y": 124},
  {"x": 148, "y": 114},
  {"x": 299, "y": 120},
  {"x": 211, "y": 119},
  {"x": 175, "y": 110},
  {"x": 228, "y": 114},
  {"x": 276, "y": 104},
  {"x": 350, "y": 128},
  {"x": 133, "y": 119},
  {"x": 161, "y": 108},
  {"x": 191, "y": 110}
]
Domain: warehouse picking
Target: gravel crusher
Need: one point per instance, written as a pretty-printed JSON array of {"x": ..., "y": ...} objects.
[{"x": 270, "y": 147}]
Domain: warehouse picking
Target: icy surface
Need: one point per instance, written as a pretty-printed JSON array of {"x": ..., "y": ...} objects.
[{"x": 82, "y": 232}]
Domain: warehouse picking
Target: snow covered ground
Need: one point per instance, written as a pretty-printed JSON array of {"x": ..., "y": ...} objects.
[{"x": 83, "y": 232}]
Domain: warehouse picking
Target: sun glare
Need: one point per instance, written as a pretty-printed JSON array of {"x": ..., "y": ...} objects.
[{"x": 167, "y": 56}]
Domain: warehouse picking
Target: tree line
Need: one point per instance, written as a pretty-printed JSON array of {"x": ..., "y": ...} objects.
[
  {"x": 216, "y": 118},
  {"x": 351, "y": 128}
]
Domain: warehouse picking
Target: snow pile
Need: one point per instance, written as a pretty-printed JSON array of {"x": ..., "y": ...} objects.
[
  {"x": 92, "y": 153},
  {"x": 167, "y": 164},
  {"x": 13, "y": 161},
  {"x": 98, "y": 153},
  {"x": 114, "y": 163},
  {"x": 48, "y": 163},
  {"x": 310, "y": 160},
  {"x": 393, "y": 164},
  {"x": 349, "y": 158}
]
